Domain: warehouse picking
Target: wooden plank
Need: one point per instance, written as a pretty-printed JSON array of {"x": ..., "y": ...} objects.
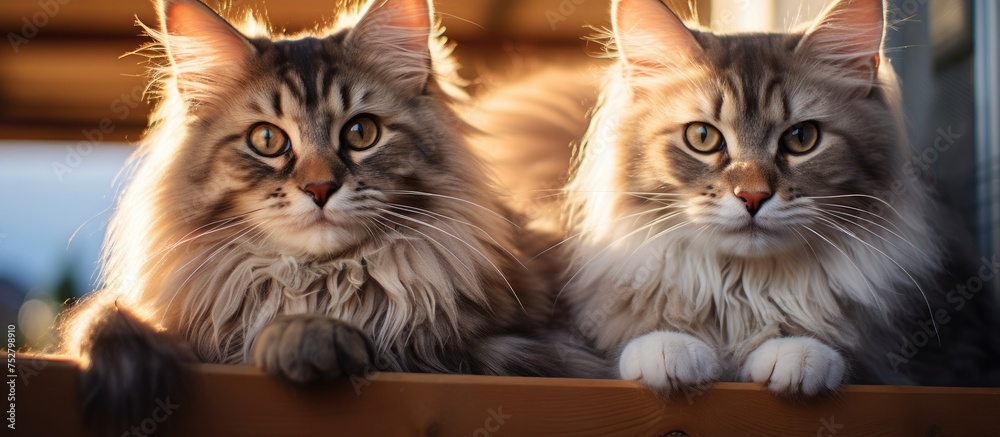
[
  {"x": 236, "y": 400},
  {"x": 79, "y": 81}
]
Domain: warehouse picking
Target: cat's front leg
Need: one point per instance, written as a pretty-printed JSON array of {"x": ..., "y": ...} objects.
[
  {"x": 308, "y": 348},
  {"x": 130, "y": 367},
  {"x": 669, "y": 361},
  {"x": 795, "y": 365}
]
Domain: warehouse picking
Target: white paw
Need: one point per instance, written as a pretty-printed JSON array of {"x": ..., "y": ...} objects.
[
  {"x": 668, "y": 361},
  {"x": 795, "y": 365}
]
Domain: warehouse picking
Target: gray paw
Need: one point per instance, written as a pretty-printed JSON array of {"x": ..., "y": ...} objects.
[
  {"x": 130, "y": 370},
  {"x": 308, "y": 348}
]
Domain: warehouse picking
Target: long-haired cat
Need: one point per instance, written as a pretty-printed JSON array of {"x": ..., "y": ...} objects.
[
  {"x": 308, "y": 204},
  {"x": 728, "y": 211}
]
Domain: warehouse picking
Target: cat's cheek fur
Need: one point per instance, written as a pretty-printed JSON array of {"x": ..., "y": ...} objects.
[
  {"x": 669, "y": 361},
  {"x": 795, "y": 365}
]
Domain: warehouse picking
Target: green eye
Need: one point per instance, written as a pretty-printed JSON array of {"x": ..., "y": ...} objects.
[
  {"x": 361, "y": 133},
  {"x": 801, "y": 138},
  {"x": 268, "y": 140},
  {"x": 704, "y": 138}
]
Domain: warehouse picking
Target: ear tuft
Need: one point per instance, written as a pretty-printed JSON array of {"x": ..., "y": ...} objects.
[
  {"x": 205, "y": 50},
  {"x": 848, "y": 35},
  {"x": 398, "y": 32},
  {"x": 651, "y": 37}
]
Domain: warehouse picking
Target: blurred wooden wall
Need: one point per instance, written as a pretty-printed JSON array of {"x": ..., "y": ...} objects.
[{"x": 62, "y": 70}]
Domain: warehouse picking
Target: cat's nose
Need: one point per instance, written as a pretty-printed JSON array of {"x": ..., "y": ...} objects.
[
  {"x": 321, "y": 192},
  {"x": 753, "y": 199}
]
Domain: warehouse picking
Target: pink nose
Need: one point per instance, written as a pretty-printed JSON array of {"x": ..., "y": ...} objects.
[
  {"x": 753, "y": 199},
  {"x": 321, "y": 192}
]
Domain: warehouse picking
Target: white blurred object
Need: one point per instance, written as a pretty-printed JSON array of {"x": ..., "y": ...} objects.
[
  {"x": 35, "y": 320},
  {"x": 732, "y": 16}
]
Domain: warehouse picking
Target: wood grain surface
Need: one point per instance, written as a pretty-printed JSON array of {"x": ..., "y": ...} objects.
[{"x": 236, "y": 400}]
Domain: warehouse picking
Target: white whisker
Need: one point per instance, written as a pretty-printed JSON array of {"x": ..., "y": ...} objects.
[
  {"x": 902, "y": 269},
  {"x": 432, "y": 215},
  {"x": 218, "y": 248},
  {"x": 469, "y": 245},
  {"x": 468, "y": 202},
  {"x": 594, "y": 257},
  {"x": 595, "y": 227},
  {"x": 871, "y": 289},
  {"x": 847, "y": 216}
]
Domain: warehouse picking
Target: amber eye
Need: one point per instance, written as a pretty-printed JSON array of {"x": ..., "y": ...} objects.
[
  {"x": 361, "y": 132},
  {"x": 801, "y": 138},
  {"x": 268, "y": 140},
  {"x": 704, "y": 138}
]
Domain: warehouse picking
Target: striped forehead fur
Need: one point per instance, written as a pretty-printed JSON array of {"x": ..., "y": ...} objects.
[{"x": 253, "y": 24}]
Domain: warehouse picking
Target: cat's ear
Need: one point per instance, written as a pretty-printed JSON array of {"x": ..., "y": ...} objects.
[
  {"x": 651, "y": 37},
  {"x": 848, "y": 34},
  {"x": 205, "y": 50},
  {"x": 398, "y": 32}
]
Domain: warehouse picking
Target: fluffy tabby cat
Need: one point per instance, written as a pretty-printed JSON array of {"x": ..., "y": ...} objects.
[
  {"x": 308, "y": 204},
  {"x": 728, "y": 211}
]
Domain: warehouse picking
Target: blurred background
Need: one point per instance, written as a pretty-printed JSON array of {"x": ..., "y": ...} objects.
[{"x": 71, "y": 106}]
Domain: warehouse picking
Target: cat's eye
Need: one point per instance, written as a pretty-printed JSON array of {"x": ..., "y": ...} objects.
[
  {"x": 268, "y": 140},
  {"x": 704, "y": 138},
  {"x": 361, "y": 133},
  {"x": 801, "y": 138}
]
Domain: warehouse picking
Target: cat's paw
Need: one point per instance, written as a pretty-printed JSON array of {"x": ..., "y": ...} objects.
[
  {"x": 669, "y": 361},
  {"x": 795, "y": 365},
  {"x": 129, "y": 370},
  {"x": 308, "y": 348}
]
